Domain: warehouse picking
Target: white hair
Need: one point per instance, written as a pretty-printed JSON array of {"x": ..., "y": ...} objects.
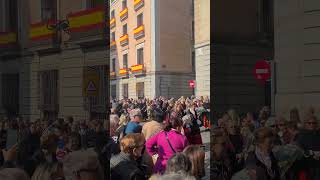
[{"x": 172, "y": 176}]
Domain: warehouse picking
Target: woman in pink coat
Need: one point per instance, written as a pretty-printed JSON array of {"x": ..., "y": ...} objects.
[{"x": 166, "y": 143}]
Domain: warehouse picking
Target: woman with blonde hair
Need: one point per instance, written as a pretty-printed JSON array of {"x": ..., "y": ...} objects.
[
  {"x": 48, "y": 171},
  {"x": 124, "y": 165}
]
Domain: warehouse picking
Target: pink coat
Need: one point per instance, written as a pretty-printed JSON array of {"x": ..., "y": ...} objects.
[{"x": 158, "y": 144}]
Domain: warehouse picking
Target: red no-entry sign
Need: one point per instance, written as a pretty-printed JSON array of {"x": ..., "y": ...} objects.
[
  {"x": 262, "y": 70},
  {"x": 191, "y": 84}
]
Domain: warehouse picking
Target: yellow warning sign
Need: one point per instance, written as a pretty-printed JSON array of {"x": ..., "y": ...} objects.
[{"x": 91, "y": 80}]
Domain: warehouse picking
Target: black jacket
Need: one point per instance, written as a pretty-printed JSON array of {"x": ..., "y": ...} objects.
[
  {"x": 124, "y": 168},
  {"x": 252, "y": 162},
  {"x": 220, "y": 171}
]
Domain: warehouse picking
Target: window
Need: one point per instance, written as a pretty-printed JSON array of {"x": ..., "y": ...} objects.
[
  {"x": 124, "y": 4},
  {"x": 125, "y": 61},
  {"x": 9, "y": 15},
  {"x": 140, "y": 90},
  {"x": 266, "y": 17},
  {"x": 48, "y": 88},
  {"x": 114, "y": 91},
  {"x": 192, "y": 31},
  {"x": 48, "y": 9},
  {"x": 125, "y": 93},
  {"x": 193, "y": 61},
  {"x": 113, "y": 36},
  {"x": 124, "y": 29},
  {"x": 95, "y": 3},
  {"x": 10, "y": 93},
  {"x": 140, "y": 56},
  {"x": 113, "y": 65},
  {"x": 140, "y": 20},
  {"x": 112, "y": 14}
]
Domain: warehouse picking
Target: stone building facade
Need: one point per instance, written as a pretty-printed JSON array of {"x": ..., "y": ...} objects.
[
  {"x": 151, "y": 48},
  {"x": 43, "y": 68},
  {"x": 202, "y": 46},
  {"x": 297, "y": 52}
]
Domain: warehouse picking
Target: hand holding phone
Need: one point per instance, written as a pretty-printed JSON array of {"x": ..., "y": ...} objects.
[{"x": 10, "y": 154}]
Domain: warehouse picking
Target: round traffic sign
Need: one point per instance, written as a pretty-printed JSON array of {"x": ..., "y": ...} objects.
[{"x": 262, "y": 70}]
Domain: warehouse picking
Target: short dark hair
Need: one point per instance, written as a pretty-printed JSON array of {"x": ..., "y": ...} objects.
[
  {"x": 173, "y": 122},
  {"x": 158, "y": 115}
]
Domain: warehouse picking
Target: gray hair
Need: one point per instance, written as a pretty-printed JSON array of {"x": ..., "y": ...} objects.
[
  {"x": 79, "y": 160},
  {"x": 172, "y": 176},
  {"x": 179, "y": 164}
]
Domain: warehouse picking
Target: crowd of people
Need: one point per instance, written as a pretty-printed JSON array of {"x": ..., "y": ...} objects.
[
  {"x": 264, "y": 147},
  {"x": 161, "y": 139},
  {"x": 143, "y": 139}
]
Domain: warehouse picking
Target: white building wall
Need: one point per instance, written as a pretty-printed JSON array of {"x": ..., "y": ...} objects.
[{"x": 202, "y": 62}]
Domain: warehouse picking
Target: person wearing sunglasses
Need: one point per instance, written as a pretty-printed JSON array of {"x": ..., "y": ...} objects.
[
  {"x": 125, "y": 165},
  {"x": 307, "y": 137}
]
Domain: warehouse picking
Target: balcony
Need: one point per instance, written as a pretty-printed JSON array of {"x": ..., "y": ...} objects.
[
  {"x": 124, "y": 40},
  {"x": 41, "y": 37},
  {"x": 138, "y": 4},
  {"x": 138, "y": 69},
  {"x": 113, "y": 45},
  {"x": 113, "y": 75},
  {"x": 124, "y": 73},
  {"x": 8, "y": 40},
  {"x": 139, "y": 32},
  {"x": 87, "y": 25},
  {"x": 124, "y": 14},
  {"x": 112, "y": 23}
]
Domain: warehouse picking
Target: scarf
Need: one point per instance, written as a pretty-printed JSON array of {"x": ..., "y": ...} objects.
[{"x": 266, "y": 160}]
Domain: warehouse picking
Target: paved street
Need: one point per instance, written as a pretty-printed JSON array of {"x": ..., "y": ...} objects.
[{"x": 206, "y": 141}]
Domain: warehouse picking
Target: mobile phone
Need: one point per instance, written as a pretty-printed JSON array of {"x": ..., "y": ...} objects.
[{"x": 12, "y": 138}]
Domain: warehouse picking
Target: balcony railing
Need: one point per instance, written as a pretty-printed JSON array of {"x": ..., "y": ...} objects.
[
  {"x": 139, "y": 32},
  {"x": 124, "y": 72},
  {"x": 113, "y": 45},
  {"x": 112, "y": 23},
  {"x": 124, "y": 40},
  {"x": 40, "y": 36},
  {"x": 138, "y": 4},
  {"x": 8, "y": 39},
  {"x": 87, "y": 25},
  {"x": 123, "y": 14},
  {"x": 138, "y": 69},
  {"x": 113, "y": 75}
]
